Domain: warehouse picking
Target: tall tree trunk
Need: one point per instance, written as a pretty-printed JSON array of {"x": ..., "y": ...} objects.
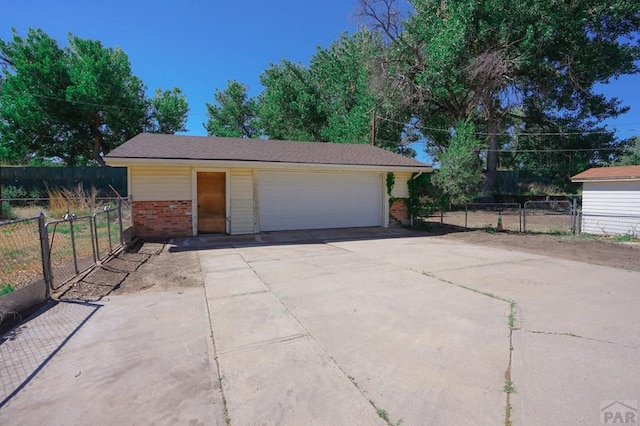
[
  {"x": 492, "y": 152},
  {"x": 98, "y": 140}
]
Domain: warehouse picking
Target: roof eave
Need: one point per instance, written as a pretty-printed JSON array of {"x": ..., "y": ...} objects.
[
  {"x": 605, "y": 179},
  {"x": 128, "y": 161}
]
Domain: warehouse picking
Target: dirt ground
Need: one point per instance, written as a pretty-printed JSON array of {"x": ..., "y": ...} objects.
[
  {"x": 588, "y": 249},
  {"x": 152, "y": 267},
  {"x": 144, "y": 267}
]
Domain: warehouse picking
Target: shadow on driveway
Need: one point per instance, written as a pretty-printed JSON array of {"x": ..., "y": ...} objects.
[{"x": 28, "y": 347}]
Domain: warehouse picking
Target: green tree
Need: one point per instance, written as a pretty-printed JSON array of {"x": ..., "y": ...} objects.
[
  {"x": 168, "y": 114},
  {"x": 460, "y": 174},
  {"x": 75, "y": 104},
  {"x": 233, "y": 114},
  {"x": 631, "y": 154},
  {"x": 497, "y": 61},
  {"x": 289, "y": 105},
  {"x": 333, "y": 99}
]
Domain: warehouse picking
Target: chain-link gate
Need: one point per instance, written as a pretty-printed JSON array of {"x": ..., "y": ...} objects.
[
  {"x": 553, "y": 216},
  {"x": 49, "y": 254}
]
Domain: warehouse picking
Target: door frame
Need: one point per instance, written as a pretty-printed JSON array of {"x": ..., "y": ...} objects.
[{"x": 194, "y": 196}]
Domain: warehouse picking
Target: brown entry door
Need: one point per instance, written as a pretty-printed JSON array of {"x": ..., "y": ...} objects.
[{"x": 212, "y": 210}]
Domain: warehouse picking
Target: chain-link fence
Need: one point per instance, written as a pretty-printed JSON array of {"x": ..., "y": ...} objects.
[
  {"x": 56, "y": 207},
  {"x": 71, "y": 248},
  {"x": 607, "y": 224},
  {"x": 107, "y": 229},
  {"x": 499, "y": 216},
  {"x": 20, "y": 254},
  {"x": 55, "y": 251},
  {"x": 549, "y": 216}
]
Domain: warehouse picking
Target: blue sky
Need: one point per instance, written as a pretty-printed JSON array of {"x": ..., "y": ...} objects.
[{"x": 199, "y": 45}]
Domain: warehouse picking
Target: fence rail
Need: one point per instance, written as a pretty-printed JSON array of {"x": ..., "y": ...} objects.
[
  {"x": 506, "y": 216},
  {"x": 548, "y": 216},
  {"x": 35, "y": 250}
]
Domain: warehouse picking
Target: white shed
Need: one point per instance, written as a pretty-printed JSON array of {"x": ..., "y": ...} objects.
[{"x": 610, "y": 200}]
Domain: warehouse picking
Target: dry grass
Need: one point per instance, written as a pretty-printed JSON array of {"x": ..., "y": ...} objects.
[{"x": 77, "y": 200}]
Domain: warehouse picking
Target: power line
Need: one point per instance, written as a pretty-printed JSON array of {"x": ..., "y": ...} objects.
[
  {"x": 95, "y": 104},
  {"x": 590, "y": 132},
  {"x": 516, "y": 150}
]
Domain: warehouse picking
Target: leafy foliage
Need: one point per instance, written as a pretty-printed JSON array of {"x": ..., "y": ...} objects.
[
  {"x": 331, "y": 100},
  {"x": 630, "y": 156},
  {"x": 169, "y": 110},
  {"x": 76, "y": 103},
  {"x": 289, "y": 107},
  {"x": 460, "y": 172},
  {"x": 512, "y": 68},
  {"x": 233, "y": 114}
]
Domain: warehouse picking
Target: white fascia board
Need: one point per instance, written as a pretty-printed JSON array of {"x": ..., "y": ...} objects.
[
  {"x": 605, "y": 180},
  {"x": 263, "y": 165}
]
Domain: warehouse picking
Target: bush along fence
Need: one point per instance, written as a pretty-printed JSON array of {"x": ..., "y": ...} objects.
[{"x": 38, "y": 256}]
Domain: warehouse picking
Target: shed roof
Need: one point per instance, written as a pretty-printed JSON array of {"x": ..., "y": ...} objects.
[
  {"x": 608, "y": 173},
  {"x": 173, "y": 147}
]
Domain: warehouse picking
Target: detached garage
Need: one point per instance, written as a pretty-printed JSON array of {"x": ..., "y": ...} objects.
[
  {"x": 610, "y": 200},
  {"x": 190, "y": 185}
]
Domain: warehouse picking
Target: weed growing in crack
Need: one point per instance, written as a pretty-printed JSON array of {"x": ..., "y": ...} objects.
[
  {"x": 509, "y": 388},
  {"x": 512, "y": 314},
  {"x": 383, "y": 414}
]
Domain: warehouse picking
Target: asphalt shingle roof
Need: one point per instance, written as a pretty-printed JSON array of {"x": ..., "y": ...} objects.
[
  {"x": 608, "y": 173},
  {"x": 174, "y": 147}
]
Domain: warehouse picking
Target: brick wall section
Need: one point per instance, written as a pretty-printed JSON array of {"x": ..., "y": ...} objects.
[
  {"x": 399, "y": 213},
  {"x": 162, "y": 219}
]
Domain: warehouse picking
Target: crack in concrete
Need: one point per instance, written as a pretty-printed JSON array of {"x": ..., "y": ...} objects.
[
  {"x": 482, "y": 265},
  {"x": 310, "y": 335},
  {"x": 248, "y": 293},
  {"x": 508, "y": 386},
  {"x": 576, "y": 336},
  {"x": 251, "y": 346},
  {"x": 225, "y": 407}
]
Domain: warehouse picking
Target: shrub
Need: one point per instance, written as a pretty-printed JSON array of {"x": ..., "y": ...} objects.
[
  {"x": 11, "y": 191},
  {"x": 7, "y": 212}
]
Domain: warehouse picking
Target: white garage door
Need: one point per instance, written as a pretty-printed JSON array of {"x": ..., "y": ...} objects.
[{"x": 295, "y": 200}]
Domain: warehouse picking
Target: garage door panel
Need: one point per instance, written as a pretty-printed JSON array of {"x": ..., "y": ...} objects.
[{"x": 293, "y": 200}]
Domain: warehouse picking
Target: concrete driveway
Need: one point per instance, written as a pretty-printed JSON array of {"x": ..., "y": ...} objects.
[{"x": 376, "y": 326}]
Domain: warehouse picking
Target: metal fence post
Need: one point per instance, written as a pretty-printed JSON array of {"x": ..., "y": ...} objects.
[
  {"x": 94, "y": 238},
  {"x": 120, "y": 221},
  {"x": 73, "y": 246},
  {"x": 109, "y": 230},
  {"x": 520, "y": 217},
  {"x": 466, "y": 212},
  {"x": 574, "y": 216},
  {"x": 524, "y": 217},
  {"x": 95, "y": 233},
  {"x": 46, "y": 259}
]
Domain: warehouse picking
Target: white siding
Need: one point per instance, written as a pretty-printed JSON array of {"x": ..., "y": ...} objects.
[
  {"x": 242, "y": 202},
  {"x": 611, "y": 208},
  {"x": 160, "y": 183},
  {"x": 400, "y": 189}
]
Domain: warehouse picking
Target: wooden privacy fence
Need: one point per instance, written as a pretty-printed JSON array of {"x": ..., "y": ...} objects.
[{"x": 43, "y": 178}]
